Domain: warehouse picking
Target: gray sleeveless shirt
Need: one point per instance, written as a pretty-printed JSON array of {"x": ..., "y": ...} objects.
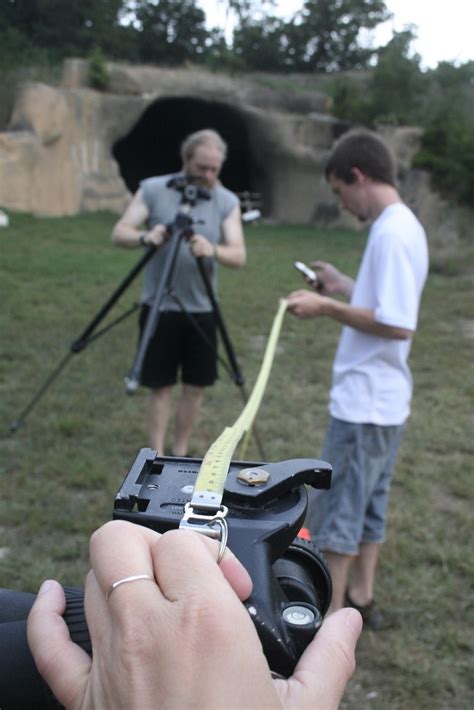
[{"x": 163, "y": 204}]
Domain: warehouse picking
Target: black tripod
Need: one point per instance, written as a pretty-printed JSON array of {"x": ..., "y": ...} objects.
[
  {"x": 179, "y": 229},
  {"x": 87, "y": 336}
]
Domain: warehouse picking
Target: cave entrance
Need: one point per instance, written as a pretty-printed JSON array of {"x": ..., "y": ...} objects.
[{"x": 152, "y": 145}]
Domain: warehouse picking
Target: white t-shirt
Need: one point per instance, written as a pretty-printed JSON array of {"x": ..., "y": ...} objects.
[{"x": 372, "y": 382}]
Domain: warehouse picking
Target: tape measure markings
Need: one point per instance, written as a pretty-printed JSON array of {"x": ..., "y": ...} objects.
[{"x": 209, "y": 486}]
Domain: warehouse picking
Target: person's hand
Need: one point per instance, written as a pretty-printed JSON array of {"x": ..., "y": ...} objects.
[
  {"x": 323, "y": 671},
  {"x": 200, "y": 246},
  {"x": 157, "y": 236},
  {"x": 306, "y": 304},
  {"x": 179, "y": 639},
  {"x": 331, "y": 280},
  {"x": 157, "y": 643}
]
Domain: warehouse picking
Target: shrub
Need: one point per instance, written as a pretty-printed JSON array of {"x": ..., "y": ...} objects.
[
  {"x": 448, "y": 151},
  {"x": 98, "y": 75}
]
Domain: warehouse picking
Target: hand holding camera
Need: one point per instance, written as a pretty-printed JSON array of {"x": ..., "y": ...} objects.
[{"x": 219, "y": 661}]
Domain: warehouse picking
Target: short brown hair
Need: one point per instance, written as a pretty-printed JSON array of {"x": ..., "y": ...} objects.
[
  {"x": 204, "y": 137},
  {"x": 364, "y": 150}
]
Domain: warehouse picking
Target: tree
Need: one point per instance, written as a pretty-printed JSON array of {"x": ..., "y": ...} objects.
[
  {"x": 448, "y": 140},
  {"x": 325, "y": 34},
  {"x": 246, "y": 10},
  {"x": 62, "y": 28},
  {"x": 98, "y": 74},
  {"x": 394, "y": 91},
  {"x": 261, "y": 44},
  {"x": 397, "y": 84},
  {"x": 439, "y": 100},
  {"x": 170, "y": 31}
]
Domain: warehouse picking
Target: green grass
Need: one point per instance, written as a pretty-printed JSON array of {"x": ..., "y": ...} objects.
[{"x": 61, "y": 470}]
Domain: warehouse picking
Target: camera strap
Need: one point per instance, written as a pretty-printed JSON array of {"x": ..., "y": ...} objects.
[{"x": 205, "y": 513}]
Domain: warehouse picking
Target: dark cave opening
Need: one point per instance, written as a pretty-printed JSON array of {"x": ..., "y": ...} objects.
[{"x": 152, "y": 146}]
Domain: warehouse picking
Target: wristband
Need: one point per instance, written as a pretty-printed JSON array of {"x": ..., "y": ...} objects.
[
  {"x": 142, "y": 239},
  {"x": 215, "y": 251}
]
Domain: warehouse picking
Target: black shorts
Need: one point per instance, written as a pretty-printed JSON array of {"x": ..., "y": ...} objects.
[{"x": 178, "y": 344}]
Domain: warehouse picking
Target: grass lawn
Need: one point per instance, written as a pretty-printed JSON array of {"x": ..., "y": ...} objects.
[{"x": 61, "y": 470}]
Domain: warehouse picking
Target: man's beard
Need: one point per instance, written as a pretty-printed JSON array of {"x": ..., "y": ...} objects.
[{"x": 201, "y": 182}]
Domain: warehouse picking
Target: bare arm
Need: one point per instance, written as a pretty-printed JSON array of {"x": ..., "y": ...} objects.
[
  {"x": 305, "y": 304},
  {"x": 232, "y": 251},
  {"x": 363, "y": 319},
  {"x": 129, "y": 228},
  {"x": 331, "y": 280}
]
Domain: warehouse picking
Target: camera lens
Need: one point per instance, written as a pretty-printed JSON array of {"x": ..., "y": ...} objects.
[{"x": 304, "y": 576}]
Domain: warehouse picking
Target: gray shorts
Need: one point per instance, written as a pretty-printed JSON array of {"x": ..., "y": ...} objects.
[{"x": 353, "y": 510}]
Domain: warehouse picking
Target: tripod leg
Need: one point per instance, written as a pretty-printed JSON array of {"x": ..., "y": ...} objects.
[
  {"x": 133, "y": 379},
  {"x": 83, "y": 340},
  {"x": 237, "y": 374},
  {"x": 203, "y": 335},
  {"x": 22, "y": 416}
]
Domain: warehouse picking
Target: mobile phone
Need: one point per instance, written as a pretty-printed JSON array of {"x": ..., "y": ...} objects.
[{"x": 306, "y": 271}]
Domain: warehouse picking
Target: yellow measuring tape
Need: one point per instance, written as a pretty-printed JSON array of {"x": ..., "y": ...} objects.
[{"x": 209, "y": 486}]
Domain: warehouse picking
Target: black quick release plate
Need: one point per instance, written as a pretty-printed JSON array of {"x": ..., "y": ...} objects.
[{"x": 157, "y": 488}]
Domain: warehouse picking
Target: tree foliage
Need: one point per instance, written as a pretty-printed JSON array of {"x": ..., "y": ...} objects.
[
  {"x": 170, "y": 31},
  {"x": 98, "y": 74},
  {"x": 448, "y": 141},
  {"x": 325, "y": 36},
  {"x": 396, "y": 86},
  {"x": 60, "y": 28},
  {"x": 439, "y": 100},
  {"x": 262, "y": 44},
  {"x": 245, "y": 10}
]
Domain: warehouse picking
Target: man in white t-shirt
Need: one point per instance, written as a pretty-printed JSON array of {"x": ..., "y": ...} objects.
[{"x": 372, "y": 384}]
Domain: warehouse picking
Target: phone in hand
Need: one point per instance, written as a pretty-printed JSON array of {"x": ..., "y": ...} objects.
[{"x": 306, "y": 271}]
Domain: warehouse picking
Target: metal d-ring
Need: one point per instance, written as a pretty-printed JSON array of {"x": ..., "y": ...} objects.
[{"x": 220, "y": 522}]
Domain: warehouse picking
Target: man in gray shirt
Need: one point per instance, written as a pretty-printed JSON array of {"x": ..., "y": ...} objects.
[{"x": 177, "y": 344}]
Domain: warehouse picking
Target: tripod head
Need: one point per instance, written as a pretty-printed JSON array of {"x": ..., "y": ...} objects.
[{"x": 191, "y": 192}]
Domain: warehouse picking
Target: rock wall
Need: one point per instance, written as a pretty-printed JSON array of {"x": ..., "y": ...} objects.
[{"x": 56, "y": 158}]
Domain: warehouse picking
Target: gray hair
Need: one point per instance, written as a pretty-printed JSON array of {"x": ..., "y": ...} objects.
[{"x": 205, "y": 137}]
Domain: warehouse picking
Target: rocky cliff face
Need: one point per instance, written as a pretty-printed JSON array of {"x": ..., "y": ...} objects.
[{"x": 61, "y": 153}]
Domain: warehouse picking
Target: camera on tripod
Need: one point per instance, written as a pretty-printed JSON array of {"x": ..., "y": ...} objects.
[{"x": 266, "y": 506}]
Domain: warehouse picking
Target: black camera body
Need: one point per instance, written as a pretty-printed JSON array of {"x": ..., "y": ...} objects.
[{"x": 267, "y": 504}]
